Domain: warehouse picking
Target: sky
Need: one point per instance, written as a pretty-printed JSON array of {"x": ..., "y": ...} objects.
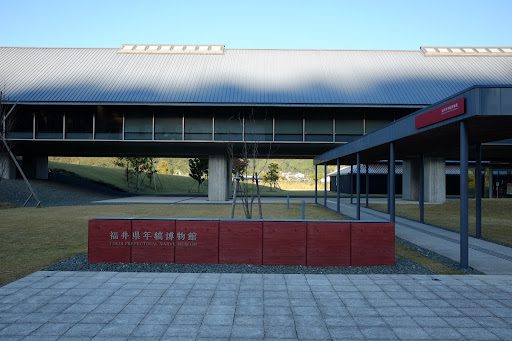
[{"x": 287, "y": 24}]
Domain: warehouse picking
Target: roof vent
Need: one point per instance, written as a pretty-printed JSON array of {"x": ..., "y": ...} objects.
[
  {"x": 171, "y": 49},
  {"x": 432, "y": 51}
]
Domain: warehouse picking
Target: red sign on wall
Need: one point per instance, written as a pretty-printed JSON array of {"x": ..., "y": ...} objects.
[
  {"x": 449, "y": 110},
  {"x": 313, "y": 243}
]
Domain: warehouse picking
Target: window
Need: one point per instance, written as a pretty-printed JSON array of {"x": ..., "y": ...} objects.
[
  {"x": 288, "y": 130},
  {"x": 319, "y": 130},
  {"x": 258, "y": 130},
  {"x": 347, "y": 127},
  {"x": 79, "y": 123},
  {"x": 168, "y": 127},
  {"x": 19, "y": 125},
  {"x": 138, "y": 126},
  {"x": 372, "y": 124},
  {"x": 228, "y": 129},
  {"x": 198, "y": 128},
  {"x": 109, "y": 124},
  {"x": 49, "y": 124}
]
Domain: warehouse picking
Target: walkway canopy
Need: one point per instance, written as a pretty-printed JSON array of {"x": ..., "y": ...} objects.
[{"x": 468, "y": 124}]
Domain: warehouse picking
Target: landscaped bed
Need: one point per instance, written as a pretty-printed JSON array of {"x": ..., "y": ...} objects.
[{"x": 36, "y": 238}]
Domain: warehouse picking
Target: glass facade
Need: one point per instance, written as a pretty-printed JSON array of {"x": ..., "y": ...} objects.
[
  {"x": 197, "y": 123},
  {"x": 79, "y": 123},
  {"x": 228, "y": 129},
  {"x": 138, "y": 126},
  {"x": 319, "y": 130},
  {"x": 288, "y": 130},
  {"x": 258, "y": 130},
  {"x": 198, "y": 128},
  {"x": 168, "y": 127},
  {"x": 348, "y": 127},
  {"x": 49, "y": 124},
  {"x": 109, "y": 124},
  {"x": 372, "y": 124},
  {"x": 19, "y": 125}
]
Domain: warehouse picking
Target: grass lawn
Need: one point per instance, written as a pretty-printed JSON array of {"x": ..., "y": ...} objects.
[
  {"x": 496, "y": 217},
  {"x": 33, "y": 238},
  {"x": 177, "y": 184}
]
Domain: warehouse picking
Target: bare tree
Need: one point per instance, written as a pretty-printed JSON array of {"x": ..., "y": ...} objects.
[
  {"x": 7, "y": 123},
  {"x": 246, "y": 185}
]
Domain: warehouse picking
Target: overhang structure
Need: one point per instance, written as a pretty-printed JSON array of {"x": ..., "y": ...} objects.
[{"x": 454, "y": 128}]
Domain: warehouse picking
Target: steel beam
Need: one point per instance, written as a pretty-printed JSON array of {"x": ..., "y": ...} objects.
[
  {"x": 338, "y": 185},
  {"x": 316, "y": 184},
  {"x": 358, "y": 187},
  {"x": 464, "y": 237},
  {"x": 325, "y": 184},
  {"x": 392, "y": 182},
  {"x": 367, "y": 185},
  {"x": 421, "y": 191},
  {"x": 478, "y": 191}
]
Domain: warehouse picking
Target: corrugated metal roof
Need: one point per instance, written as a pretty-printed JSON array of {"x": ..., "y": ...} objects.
[{"x": 243, "y": 76}]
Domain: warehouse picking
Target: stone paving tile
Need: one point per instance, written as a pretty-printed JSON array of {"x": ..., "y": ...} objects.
[{"x": 75, "y": 306}]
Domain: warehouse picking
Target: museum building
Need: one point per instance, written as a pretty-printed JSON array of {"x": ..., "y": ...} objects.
[{"x": 210, "y": 101}]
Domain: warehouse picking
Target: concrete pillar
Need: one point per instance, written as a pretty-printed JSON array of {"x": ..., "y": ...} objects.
[
  {"x": 219, "y": 177},
  {"x": 435, "y": 179},
  {"x": 36, "y": 167},
  {"x": 7, "y": 167},
  {"x": 410, "y": 179}
]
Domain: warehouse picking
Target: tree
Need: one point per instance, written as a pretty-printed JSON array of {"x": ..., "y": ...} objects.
[
  {"x": 135, "y": 168},
  {"x": 272, "y": 175},
  {"x": 198, "y": 170}
]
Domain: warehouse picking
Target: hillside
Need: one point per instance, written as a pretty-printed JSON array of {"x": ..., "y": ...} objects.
[{"x": 104, "y": 171}]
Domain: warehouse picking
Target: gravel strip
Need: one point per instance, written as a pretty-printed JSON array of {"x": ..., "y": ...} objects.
[
  {"x": 79, "y": 263},
  {"x": 439, "y": 258}
]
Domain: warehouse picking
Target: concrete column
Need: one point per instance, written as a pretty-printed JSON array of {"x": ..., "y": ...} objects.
[
  {"x": 410, "y": 179},
  {"x": 435, "y": 179},
  {"x": 218, "y": 175},
  {"x": 36, "y": 167},
  {"x": 7, "y": 167}
]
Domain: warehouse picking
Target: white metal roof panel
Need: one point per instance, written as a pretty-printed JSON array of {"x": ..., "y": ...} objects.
[{"x": 239, "y": 76}]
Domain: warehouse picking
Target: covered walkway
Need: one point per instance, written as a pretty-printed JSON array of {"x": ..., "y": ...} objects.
[
  {"x": 456, "y": 128},
  {"x": 484, "y": 256}
]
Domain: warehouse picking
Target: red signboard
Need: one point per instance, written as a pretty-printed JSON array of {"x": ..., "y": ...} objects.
[
  {"x": 313, "y": 243},
  {"x": 328, "y": 244},
  {"x": 240, "y": 242},
  {"x": 449, "y": 110},
  {"x": 372, "y": 244},
  {"x": 153, "y": 241}
]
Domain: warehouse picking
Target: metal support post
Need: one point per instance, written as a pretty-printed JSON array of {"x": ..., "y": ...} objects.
[
  {"x": 387, "y": 184},
  {"x": 367, "y": 185},
  {"x": 351, "y": 183},
  {"x": 325, "y": 184},
  {"x": 316, "y": 184},
  {"x": 358, "y": 187},
  {"x": 478, "y": 191},
  {"x": 421, "y": 191},
  {"x": 338, "y": 185},
  {"x": 392, "y": 182},
  {"x": 464, "y": 238}
]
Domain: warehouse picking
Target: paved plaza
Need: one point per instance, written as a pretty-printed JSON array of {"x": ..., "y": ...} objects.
[{"x": 169, "y": 306}]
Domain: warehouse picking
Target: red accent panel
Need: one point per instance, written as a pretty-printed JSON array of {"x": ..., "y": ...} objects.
[
  {"x": 104, "y": 247},
  {"x": 449, "y": 110},
  {"x": 328, "y": 244},
  {"x": 284, "y": 243},
  {"x": 158, "y": 246},
  {"x": 205, "y": 249},
  {"x": 372, "y": 244},
  {"x": 240, "y": 242}
]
